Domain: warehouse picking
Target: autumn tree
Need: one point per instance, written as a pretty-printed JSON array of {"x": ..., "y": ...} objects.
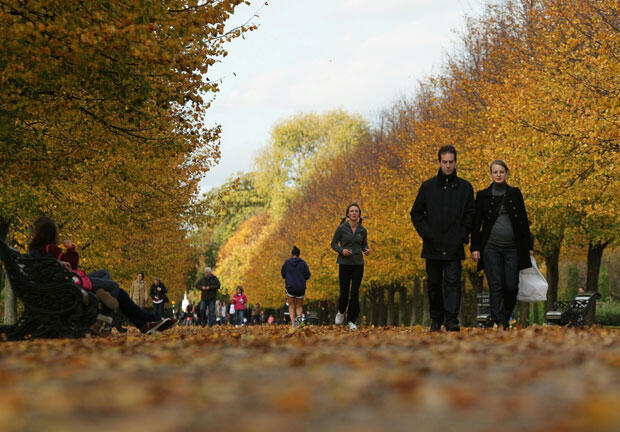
[{"x": 102, "y": 124}]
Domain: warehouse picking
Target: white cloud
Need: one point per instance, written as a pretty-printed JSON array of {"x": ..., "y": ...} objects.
[{"x": 318, "y": 55}]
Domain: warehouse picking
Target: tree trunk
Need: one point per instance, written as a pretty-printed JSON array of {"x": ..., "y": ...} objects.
[
  {"x": 550, "y": 235},
  {"x": 595, "y": 256},
  {"x": 426, "y": 313},
  {"x": 364, "y": 309},
  {"x": 552, "y": 260},
  {"x": 402, "y": 300},
  {"x": 415, "y": 301},
  {"x": 332, "y": 307},
  {"x": 391, "y": 290},
  {"x": 524, "y": 316},
  {"x": 10, "y": 302},
  {"x": 374, "y": 306},
  {"x": 477, "y": 286},
  {"x": 381, "y": 305},
  {"x": 323, "y": 312},
  {"x": 5, "y": 225}
]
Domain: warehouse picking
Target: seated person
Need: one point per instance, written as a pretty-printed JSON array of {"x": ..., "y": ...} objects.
[{"x": 45, "y": 241}]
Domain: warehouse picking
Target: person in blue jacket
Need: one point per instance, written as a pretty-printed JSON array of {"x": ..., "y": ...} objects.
[{"x": 295, "y": 273}]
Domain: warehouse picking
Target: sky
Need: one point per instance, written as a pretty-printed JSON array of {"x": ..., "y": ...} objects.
[{"x": 321, "y": 55}]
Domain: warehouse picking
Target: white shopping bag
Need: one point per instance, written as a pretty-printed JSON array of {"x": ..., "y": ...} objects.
[{"x": 532, "y": 284}]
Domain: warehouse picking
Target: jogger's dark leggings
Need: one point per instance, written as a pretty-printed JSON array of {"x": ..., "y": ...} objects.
[{"x": 350, "y": 280}]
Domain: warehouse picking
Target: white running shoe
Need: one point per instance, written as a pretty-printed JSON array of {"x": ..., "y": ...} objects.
[
  {"x": 352, "y": 326},
  {"x": 339, "y": 318}
]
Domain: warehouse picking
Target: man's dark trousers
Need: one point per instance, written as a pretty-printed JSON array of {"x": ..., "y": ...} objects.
[
  {"x": 211, "y": 309},
  {"x": 202, "y": 312},
  {"x": 207, "y": 306},
  {"x": 444, "y": 275}
]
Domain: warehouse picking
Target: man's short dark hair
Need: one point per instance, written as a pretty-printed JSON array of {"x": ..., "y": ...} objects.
[
  {"x": 446, "y": 149},
  {"x": 295, "y": 251}
]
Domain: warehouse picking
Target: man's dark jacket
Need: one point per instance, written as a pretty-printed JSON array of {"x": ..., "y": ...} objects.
[
  {"x": 443, "y": 214},
  {"x": 212, "y": 283},
  {"x": 487, "y": 211}
]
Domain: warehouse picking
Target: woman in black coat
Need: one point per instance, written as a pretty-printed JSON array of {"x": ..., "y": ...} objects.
[
  {"x": 159, "y": 297},
  {"x": 501, "y": 241}
]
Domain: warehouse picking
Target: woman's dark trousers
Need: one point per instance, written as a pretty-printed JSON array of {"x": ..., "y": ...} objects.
[
  {"x": 350, "y": 280},
  {"x": 133, "y": 312},
  {"x": 444, "y": 276},
  {"x": 501, "y": 265},
  {"x": 158, "y": 310}
]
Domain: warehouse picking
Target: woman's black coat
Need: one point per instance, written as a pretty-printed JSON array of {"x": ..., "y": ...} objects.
[
  {"x": 163, "y": 293},
  {"x": 487, "y": 211}
]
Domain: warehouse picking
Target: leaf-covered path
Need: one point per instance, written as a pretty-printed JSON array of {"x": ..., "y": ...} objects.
[{"x": 323, "y": 378}]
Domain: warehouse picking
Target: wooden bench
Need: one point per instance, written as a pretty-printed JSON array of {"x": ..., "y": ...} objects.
[
  {"x": 54, "y": 306},
  {"x": 312, "y": 318},
  {"x": 577, "y": 312}
]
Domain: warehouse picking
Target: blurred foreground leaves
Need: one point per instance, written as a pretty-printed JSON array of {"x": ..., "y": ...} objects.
[{"x": 315, "y": 378}]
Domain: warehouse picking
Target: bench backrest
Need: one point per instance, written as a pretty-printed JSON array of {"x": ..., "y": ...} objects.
[{"x": 54, "y": 306}]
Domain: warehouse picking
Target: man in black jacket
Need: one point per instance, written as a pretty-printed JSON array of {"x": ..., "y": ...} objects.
[
  {"x": 208, "y": 285},
  {"x": 443, "y": 214}
]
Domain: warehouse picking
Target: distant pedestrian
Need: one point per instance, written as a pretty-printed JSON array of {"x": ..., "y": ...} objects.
[
  {"x": 208, "y": 286},
  {"x": 258, "y": 314},
  {"x": 222, "y": 311},
  {"x": 188, "y": 316},
  {"x": 139, "y": 291},
  {"x": 443, "y": 214},
  {"x": 159, "y": 297},
  {"x": 231, "y": 314},
  {"x": 295, "y": 273},
  {"x": 239, "y": 300},
  {"x": 351, "y": 242}
]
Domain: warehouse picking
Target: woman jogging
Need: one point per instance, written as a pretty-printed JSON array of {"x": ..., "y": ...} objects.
[
  {"x": 295, "y": 273},
  {"x": 351, "y": 242}
]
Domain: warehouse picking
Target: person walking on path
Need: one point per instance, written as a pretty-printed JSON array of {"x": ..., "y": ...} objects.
[
  {"x": 239, "y": 300},
  {"x": 351, "y": 242},
  {"x": 159, "y": 297},
  {"x": 139, "y": 291},
  {"x": 208, "y": 286},
  {"x": 295, "y": 273},
  {"x": 501, "y": 241},
  {"x": 443, "y": 214}
]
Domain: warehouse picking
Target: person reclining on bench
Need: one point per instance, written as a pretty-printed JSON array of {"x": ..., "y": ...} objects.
[{"x": 44, "y": 243}]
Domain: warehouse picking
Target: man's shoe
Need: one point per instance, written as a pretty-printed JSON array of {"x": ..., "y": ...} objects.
[
  {"x": 352, "y": 326},
  {"x": 435, "y": 326},
  {"x": 152, "y": 326},
  {"x": 339, "y": 318},
  {"x": 169, "y": 324}
]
